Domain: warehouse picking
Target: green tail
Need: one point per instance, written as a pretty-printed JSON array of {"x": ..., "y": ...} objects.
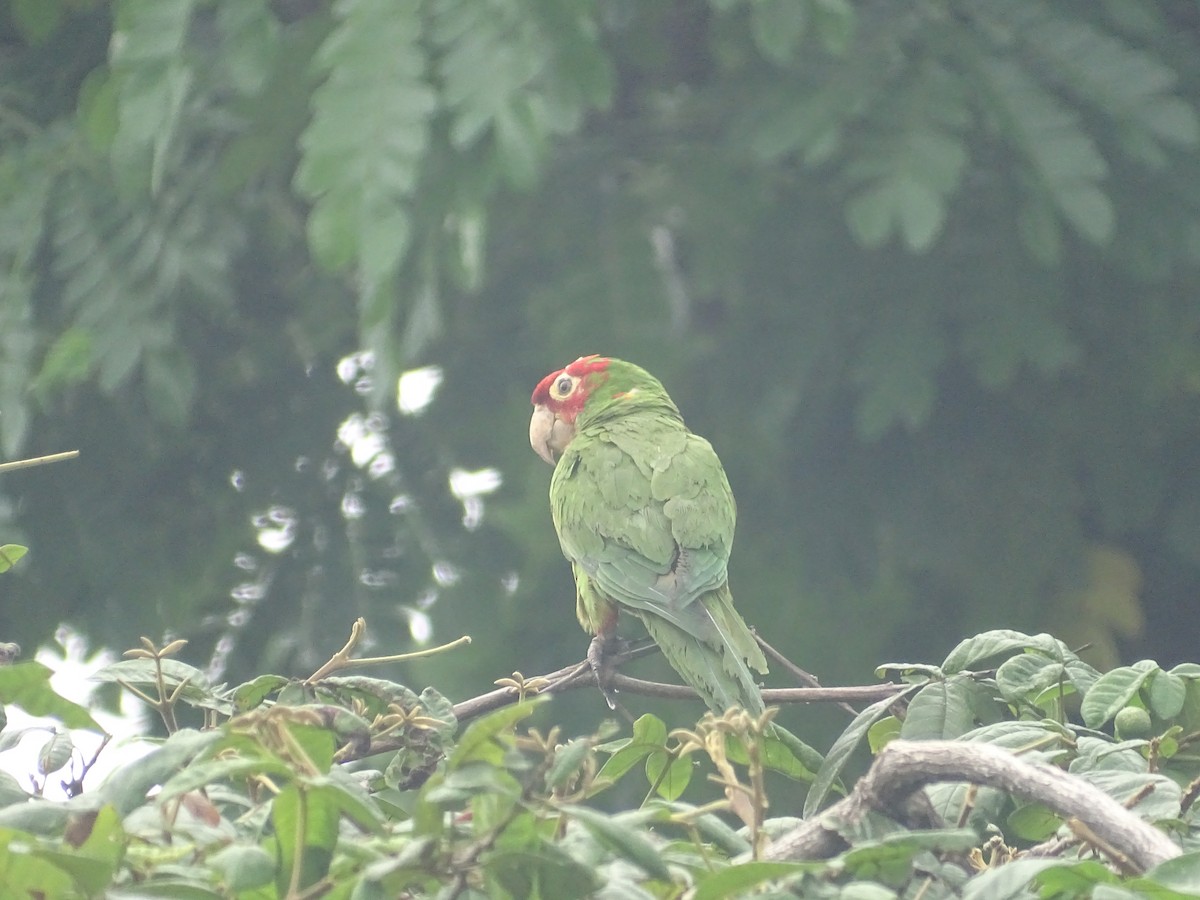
[{"x": 718, "y": 665}]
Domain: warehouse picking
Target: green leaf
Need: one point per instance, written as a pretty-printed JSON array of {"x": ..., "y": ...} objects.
[
  {"x": 839, "y": 754},
  {"x": 251, "y": 694},
  {"x": 568, "y": 760},
  {"x": 891, "y": 859},
  {"x": 882, "y": 733},
  {"x": 669, "y": 774},
  {"x": 649, "y": 736},
  {"x": 835, "y": 22},
  {"x": 25, "y": 874},
  {"x": 349, "y": 797},
  {"x": 198, "y": 774},
  {"x": 1033, "y": 822},
  {"x": 941, "y": 710},
  {"x": 1007, "y": 882},
  {"x": 1113, "y": 690},
  {"x": 10, "y": 554},
  {"x": 478, "y": 741},
  {"x": 1181, "y": 874},
  {"x": 27, "y": 685},
  {"x": 544, "y": 871},
  {"x": 143, "y": 673},
  {"x": 626, "y": 842},
  {"x": 249, "y": 43},
  {"x": 785, "y": 753},
  {"x": 243, "y": 867},
  {"x": 736, "y": 881},
  {"x": 1076, "y": 878},
  {"x": 94, "y": 862},
  {"x": 986, "y": 647},
  {"x": 1166, "y": 695},
  {"x": 306, "y": 832},
  {"x": 55, "y": 753},
  {"x": 67, "y": 363},
  {"x": 11, "y": 791}
]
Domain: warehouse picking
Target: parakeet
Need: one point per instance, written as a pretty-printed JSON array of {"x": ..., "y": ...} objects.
[{"x": 644, "y": 512}]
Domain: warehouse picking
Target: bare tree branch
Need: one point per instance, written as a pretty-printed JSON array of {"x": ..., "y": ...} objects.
[{"x": 904, "y": 767}]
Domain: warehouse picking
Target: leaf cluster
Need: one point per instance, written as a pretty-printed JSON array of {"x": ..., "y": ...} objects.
[{"x": 263, "y": 802}]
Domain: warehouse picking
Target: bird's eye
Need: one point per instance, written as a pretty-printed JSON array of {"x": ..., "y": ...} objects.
[{"x": 563, "y": 386}]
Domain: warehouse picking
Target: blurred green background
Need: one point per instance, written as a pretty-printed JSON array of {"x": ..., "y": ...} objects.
[{"x": 925, "y": 272}]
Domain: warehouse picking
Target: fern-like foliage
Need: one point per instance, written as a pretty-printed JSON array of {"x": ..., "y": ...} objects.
[{"x": 363, "y": 150}]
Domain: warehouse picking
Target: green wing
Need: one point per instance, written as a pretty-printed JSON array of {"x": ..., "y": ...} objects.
[{"x": 645, "y": 513}]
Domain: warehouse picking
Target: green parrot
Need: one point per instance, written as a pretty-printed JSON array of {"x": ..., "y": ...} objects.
[{"x": 644, "y": 512}]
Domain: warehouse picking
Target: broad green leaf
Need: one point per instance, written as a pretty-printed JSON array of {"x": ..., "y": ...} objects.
[
  {"x": 1113, "y": 690},
  {"x": 785, "y": 753},
  {"x": 839, "y": 754},
  {"x": 27, "y": 685},
  {"x": 986, "y": 648},
  {"x": 1033, "y": 822},
  {"x": 1166, "y": 695},
  {"x": 1159, "y": 795},
  {"x": 669, "y": 775},
  {"x": 1089, "y": 209},
  {"x": 25, "y": 874},
  {"x": 940, "y": 710},
  {"x": 306, "y": 832},
  {"x": 250, "y": 36},
  {"x": 835, "y": 22}
]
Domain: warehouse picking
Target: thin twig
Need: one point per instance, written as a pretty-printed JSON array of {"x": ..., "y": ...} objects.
[{"x": 37, "y": 461}]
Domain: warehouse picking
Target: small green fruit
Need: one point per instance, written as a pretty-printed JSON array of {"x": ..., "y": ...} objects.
[{"x": 1133, "y": 722}]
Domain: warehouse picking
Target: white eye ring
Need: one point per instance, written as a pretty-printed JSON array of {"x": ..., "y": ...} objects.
[{"x": 563, "y": 385}]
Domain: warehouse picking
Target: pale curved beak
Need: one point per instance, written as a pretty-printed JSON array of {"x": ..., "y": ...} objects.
[{"x": 548, "y": 434}]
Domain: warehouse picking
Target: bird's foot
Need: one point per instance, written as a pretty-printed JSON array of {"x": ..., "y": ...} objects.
[{"x": 599, "y": 656}]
